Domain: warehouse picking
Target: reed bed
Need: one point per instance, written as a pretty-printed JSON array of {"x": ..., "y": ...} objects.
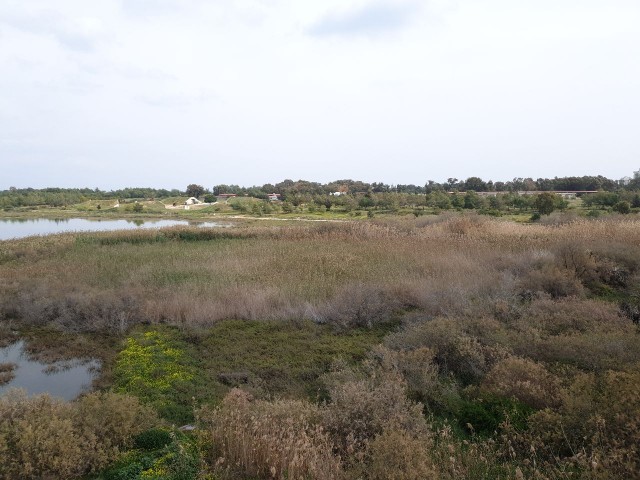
[{"x": 198, "y": 277}]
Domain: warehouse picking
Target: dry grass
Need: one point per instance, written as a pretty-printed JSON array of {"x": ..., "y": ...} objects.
[
  {"x": 41, "y": 437},
  {"x": 268, "y": 440}
]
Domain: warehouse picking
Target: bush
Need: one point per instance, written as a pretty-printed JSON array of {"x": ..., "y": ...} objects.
[
  {"x": 527, "y": 381},
  {"x": 485, "y": 414},
  {"x": 357, "y": 306},
  {"x": 363, "y": 407},
  {"x": 41, "y": 437},
  {"x": 395, "y": 455},
  {"x": 152, "y": 439},
  {"x": 597, "y": 426},
  {"x": 553, "y": 281},
  {"x": 268, "y": 440},
  {"x": 623, "y": 207}
]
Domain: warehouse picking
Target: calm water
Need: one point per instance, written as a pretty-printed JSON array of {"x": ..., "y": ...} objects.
[
  {"x": 62, "y": 379},
  {"x": 19, "y": 228}
]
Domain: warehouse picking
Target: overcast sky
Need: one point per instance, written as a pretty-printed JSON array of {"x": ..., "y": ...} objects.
[{"x": 162, "y": 93}]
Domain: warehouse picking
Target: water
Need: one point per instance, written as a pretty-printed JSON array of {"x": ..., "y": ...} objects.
[
  {"x": 19, "y": 228},
  {"x": 66, "y": 379}
]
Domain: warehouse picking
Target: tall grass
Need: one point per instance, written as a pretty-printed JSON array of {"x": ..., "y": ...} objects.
[{"x": 198, "y": 277}]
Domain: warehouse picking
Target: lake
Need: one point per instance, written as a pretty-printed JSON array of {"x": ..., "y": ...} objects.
[
  {"x": 11, "y": 228},
  {"x": 66, "y": 379}
]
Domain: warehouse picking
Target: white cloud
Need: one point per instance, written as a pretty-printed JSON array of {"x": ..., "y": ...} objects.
[
  {"x": 370, "y": 18},
  {"x": 250, "y": 91}
]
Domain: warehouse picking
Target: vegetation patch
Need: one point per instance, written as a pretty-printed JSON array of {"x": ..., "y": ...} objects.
[
  {"x": 279, "y": 358},
  {"x": 155, "y": 367},
  {"x": 7, "y": 372},
  {"x": 158, "y": 454}
]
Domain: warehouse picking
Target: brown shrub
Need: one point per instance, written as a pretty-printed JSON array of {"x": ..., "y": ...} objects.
[
  {"x": 359, "y": 306},
  {"x": 525, "y": 380},
  {"x": 267, "y": 440},
  {"x": 571, "y": 315},
  {"x": 456, "y": 351},
  {"x": 553, "y": 281},
  {"x": 395, "y": 455},
  {"x": 361, "y": 409},
  {"x": 41, "y": 437},
  {"x": 72, "y": 311},
  {"x": 597, "y": 428}
]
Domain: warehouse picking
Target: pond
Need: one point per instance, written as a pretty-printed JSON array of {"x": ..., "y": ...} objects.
[
  {"x": 66, "y": 379},
  {"x": 11, "y": 228}
]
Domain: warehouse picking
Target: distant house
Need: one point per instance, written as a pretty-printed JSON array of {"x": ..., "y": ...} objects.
[
  {"x": 192, "y": 201},
  {"x": 273, "y": 197}
]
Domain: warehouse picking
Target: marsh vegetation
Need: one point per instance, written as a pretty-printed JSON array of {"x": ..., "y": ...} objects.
[{"x": 449, "y": 346}]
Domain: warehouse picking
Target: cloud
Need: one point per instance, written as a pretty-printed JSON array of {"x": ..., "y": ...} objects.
[
  {"x": 370, "y": 19},
  {"x": 79, "y": 34}
]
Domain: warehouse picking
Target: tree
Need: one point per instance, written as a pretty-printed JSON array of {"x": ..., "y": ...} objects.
[
  {"x": 545, "y": 203},
  {"x": 194, "y": 190},
  {"x": 623, "y": 207},
  {"x": 475, "y": 184}
]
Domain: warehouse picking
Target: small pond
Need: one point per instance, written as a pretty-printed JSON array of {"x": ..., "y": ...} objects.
[
  {"x": 66, "y": 379},
  {"x": 24, "y": 227}
]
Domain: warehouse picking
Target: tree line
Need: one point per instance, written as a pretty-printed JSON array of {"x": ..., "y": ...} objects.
[{"x": 610, "y": 191}]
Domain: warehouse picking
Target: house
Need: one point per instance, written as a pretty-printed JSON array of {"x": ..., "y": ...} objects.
[
  {"x": 192, "y": 201},
  {"x": 273, "y": 197}
]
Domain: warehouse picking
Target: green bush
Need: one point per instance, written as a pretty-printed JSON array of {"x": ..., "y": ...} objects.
[
  {"x": 485, "y": 414},
  {"x": 152, "y": 439}
]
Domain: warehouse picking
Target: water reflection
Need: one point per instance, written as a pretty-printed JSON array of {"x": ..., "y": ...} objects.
[
  {"x": 25, "y": 227},
  {"x": 66, "y": 379}
]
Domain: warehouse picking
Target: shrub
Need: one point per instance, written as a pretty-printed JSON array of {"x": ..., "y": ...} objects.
[
  {"x": 152, "y": 439},
  {"x": 396, "y": 455},
  {"x": 359, "y": 306},
  {"x": 456, "y": 351},
  {"x": 553, "y": 281},
  {"x": 485, "y": 414},
  {"x": 362, "y": 408},
  {"x": 41, "y": 437},
  {"x": 623, "y": 207},
  {"x": 527, "y": 381},
  {"x": 268, "y": 440},
  {"x": 597, "y": 427}
]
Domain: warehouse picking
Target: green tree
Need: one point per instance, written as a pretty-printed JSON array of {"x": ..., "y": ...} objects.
[
  {"x": 194, "y": 190},
  {"x": 623, "y": 207},
  {"x": 545, "y": 203}
]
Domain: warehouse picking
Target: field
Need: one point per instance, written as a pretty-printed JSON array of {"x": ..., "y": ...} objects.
[{"x": 419, "y": 346}]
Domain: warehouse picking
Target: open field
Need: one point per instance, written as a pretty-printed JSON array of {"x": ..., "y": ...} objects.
[{"x": 451, "y": 346}]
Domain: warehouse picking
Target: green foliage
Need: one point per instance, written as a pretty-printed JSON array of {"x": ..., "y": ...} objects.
[
  {"x": 545, "y": 203},
  {"x": 280, "y": 358},
  {"x": 623, "y": 207},
  {"x": 176, "y": 459},
  {"x": 194, "y": 190},
  {"x": 152, "y": 439},
  {"x": 484, "y": 415},
  {"x": 154, "y": 367}
]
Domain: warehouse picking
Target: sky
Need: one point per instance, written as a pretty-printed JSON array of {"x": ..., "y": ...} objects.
[{"x": 164, "y": 93}]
